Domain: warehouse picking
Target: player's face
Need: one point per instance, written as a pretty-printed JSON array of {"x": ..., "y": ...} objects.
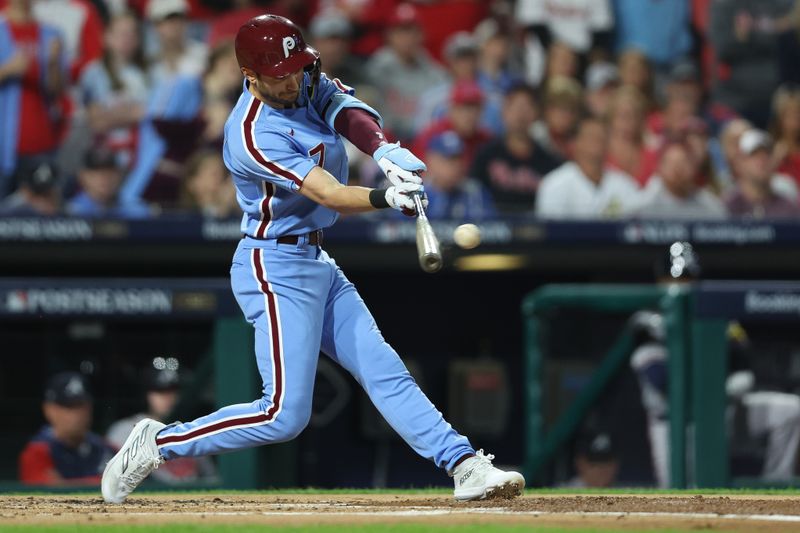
[{"x": 279, "y": 90}]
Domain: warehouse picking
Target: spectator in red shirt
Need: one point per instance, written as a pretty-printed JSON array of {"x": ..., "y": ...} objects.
[
  {"x": 81, "y": 26},
  {"x": 65, "y": 452},
  {"x": 786, "y": 131},
  {"x": 463, "y": 117},
  {"x": 31, "y": 80}
]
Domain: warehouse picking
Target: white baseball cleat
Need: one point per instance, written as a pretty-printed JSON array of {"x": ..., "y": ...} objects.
[
  {"x": 133, "y": 462},
  {"x": 477, "y": 479}
]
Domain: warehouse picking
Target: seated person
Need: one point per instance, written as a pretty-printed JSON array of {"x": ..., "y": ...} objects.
[
  {"x": 100, "y": 179},
  {"x": 162, "y": 390},
  {"x": 38, "y": 192},
  {"x": 208, "y": 188},
  {"x": 453, "y": 195},
  {"x": 65, "y": 452},
  {"x": 585, "y": 188},
  {"x": 673, "y": 193}
]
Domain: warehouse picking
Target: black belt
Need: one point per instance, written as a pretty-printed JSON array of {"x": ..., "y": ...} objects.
[{"x": 314, "y": 238}]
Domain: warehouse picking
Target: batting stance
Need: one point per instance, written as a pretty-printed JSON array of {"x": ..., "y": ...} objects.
[{"x": 284, "y": 148}]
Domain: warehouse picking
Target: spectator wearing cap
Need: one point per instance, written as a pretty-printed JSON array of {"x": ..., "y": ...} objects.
[
  {"x": 402, "y": 70},
  {"x": 660, "y": 29},
  {"x": 744, "y": 36},
  {"x": 463, "y": 117},
  {"x": 785, "y": 130},
  {"x": 512, "y": 166},
  {"x": 755, "y": 195},
  {"x": 453, "y": 195},
  {"x": 673, "y": 192},
  {"x": 32, "y": 78},
  {"x": 38, "y": 190},
  {"x": 177, "y": 53},
  {"x": 563, "y": 106},
  {"x": 461, "y": 59},
  {"x": 628, "y": 150},
  {"x": 585, "y": 26},
  {"x": 161, "y": 384},
  {"x": 65, "y": 451},
  {"x": 331, "y": 34},
  {"x": 602, "y": 79},
  {"x": 100, "y": 179},
  {"x": 114, "y": 88},
  {"x": 596, "y": 460},
  {"x": 585, "y": 188}
]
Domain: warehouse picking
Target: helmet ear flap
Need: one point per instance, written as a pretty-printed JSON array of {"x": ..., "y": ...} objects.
[{"x": 315, "y": 69}]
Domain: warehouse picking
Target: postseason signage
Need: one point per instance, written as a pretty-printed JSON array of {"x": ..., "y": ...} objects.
[
  {"x": 119, "y": 298},
  {"x": 769, "y": 301}
]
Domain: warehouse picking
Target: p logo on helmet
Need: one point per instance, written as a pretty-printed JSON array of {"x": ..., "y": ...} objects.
[{"x": 289, "y": 43}]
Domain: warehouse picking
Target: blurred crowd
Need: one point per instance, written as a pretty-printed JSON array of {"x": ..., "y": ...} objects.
[{"x": 562, "y": 109}]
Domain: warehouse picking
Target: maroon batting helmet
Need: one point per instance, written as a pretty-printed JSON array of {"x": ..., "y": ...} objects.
[{"x": 273, "y": 46}]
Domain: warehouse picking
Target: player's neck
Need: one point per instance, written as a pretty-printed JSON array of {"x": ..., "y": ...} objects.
[{"x": 276, "y": 104}]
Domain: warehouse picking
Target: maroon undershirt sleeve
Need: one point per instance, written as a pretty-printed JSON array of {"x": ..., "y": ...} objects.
[{"x": 360, "y": 128}]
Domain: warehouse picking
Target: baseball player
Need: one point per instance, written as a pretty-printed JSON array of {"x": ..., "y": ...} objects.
[{"x": 283, "y": 146}]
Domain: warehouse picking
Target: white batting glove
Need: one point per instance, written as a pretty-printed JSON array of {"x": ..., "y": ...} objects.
[
  {"x": 399, "y": 164},
  {"x": 400, "y": 197}
]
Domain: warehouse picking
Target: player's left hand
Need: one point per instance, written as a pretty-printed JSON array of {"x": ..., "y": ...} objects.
[{"x": 399, "y": 164}]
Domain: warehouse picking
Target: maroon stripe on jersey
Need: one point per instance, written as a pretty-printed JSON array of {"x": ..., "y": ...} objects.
[
  {"x": 277, "y": 394},
  {"x": 250, "y": 145},
  {"x": 266, "y": 216}
]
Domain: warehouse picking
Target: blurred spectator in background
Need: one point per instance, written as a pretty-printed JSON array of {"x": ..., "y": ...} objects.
[
  {"x": 744, "y": 35},
  {"x": 512, "y": 166},
  {"x": 727, "y": 153},
  {"x": 461, "y": 56},
  {"x": 162, "y": 389},
  {"x": 562, "y": 61},
  {"x": 208, "y": 189},
  {"x": 673, "y": 192},
  {"x": 584, "y": 187},
  {"x": 682, "y": 97},
  {"x": 222, "y": 85},
  {"x": 602, "y": 80},
  {"x": 562, "y": 108},
  {"x": 463, "y": 117},
  {"x": 81, "y": 28},
  {"x": 755, "y": 195},
  {"x": 177, "y": 53},
  {"x": 789, "y": 49},
  {"x": 38, "y": 190},
  {"x": 402, "y": 71},
  {"x": 32, "y": 78},
  {"x": 331, "y": 34},
  {"x": 100, "y": 179},
  {"x": 596, "y": 461},
  {"x": 65, "y": 452},
  {"x": 114, "y": 88},
  {"x": 634, "y": 70},
  {"x": 628, "y": 150},
  {"x": 786, "y": 130},
  {"x": 659, "y": 29},
  {"x": 583, "y": 25},
  {"x": 497, "y": 68},
  {"x": 233, "y": 14},
  {"x": 452, "y": 195}
]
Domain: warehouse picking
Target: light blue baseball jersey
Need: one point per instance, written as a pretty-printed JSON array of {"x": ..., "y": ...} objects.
[{"x": 270, "y": 152}]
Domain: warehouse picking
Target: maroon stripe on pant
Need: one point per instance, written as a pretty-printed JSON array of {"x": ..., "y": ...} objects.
[{"x": 277, "y": 385}]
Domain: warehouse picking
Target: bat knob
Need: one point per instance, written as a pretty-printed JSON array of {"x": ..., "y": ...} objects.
[{"x": 430, "y": 262}]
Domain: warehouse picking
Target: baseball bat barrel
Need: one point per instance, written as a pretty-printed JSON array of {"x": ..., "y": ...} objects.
[{"x": 430, "y": 255}]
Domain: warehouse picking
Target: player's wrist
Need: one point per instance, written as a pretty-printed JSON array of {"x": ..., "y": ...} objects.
[{"x": 377, "y": 198}]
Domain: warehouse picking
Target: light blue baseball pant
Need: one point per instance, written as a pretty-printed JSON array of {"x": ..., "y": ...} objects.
[{"x": 299, "y": 300}]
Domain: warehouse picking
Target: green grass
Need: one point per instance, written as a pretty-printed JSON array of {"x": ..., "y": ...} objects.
[{"x": 388, "y": 528}]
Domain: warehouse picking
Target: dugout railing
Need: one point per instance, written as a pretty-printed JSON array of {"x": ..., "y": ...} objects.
[{"x": 696, "y": 319}]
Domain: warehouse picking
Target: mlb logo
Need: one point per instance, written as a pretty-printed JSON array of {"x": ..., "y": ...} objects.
[{"x": 17, "y": 302}]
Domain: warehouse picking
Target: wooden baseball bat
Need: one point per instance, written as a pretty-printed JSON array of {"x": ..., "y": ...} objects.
[{"x": 430, "y": 255}]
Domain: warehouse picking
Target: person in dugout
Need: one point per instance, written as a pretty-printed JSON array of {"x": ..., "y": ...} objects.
[{"x": 65, "y": 451}]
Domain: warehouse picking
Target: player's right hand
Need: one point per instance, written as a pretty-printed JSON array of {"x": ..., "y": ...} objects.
[{"x": 400, "y": 197}]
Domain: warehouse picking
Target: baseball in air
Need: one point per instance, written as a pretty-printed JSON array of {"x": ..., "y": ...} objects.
[{"x": 467, "y": 236}]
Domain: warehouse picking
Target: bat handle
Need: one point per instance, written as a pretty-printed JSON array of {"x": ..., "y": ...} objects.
[{"x": 418, "y": 204}]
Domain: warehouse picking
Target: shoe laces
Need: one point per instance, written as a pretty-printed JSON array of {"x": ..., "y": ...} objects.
[
  {"x": 132, "y": 480},
  {"x": 483, "y": 461}
]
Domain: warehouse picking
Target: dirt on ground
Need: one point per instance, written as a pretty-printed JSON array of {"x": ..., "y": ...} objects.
[{"x": 614, "y": 513}]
